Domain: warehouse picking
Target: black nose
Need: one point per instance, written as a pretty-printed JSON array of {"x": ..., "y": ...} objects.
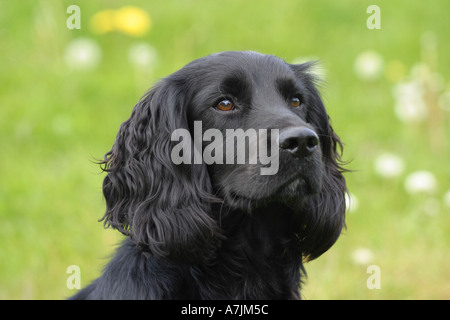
[{"x": 299, "y": 141}]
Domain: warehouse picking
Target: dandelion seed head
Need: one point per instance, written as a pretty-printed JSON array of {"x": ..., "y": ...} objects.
[
  {"x": 389, "y": 165},
  {"x": 421, "y": 182},
  {"x": 362, "y": 256},
  {"x": 368, "y": 65},
  {"x": 83, "y": 54}
]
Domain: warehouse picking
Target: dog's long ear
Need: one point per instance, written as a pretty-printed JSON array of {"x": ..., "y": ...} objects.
[
  {"x": 323, "y": 215},
  {"x": 163, "y": 207}
]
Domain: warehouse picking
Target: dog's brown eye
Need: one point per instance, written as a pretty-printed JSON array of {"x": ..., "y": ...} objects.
[
  {"x": 295, "y": 102},
  {"x": 225, "y": 105}
]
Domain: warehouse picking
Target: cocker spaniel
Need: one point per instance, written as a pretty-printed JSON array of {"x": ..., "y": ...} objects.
[{"x": 225, "y": 179}]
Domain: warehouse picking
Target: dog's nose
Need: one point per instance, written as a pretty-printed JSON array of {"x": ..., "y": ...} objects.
[{"x": 299, "y": 141}]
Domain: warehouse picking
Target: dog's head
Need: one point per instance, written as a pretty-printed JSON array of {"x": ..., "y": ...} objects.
[{"x": 241, "y": 128}]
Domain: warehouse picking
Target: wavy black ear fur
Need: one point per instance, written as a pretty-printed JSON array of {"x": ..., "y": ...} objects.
[
  {"x": 323, "y": 215},
  {"x": 164, "y": 208}
]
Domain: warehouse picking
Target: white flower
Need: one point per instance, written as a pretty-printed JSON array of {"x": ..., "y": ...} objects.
[
  {"x": 389, "y": 165},
  {"x": 369, "y": 65},
  {"x": 409, "y": 102},
  {"x": 83, "y": 54},
  {"x": 362, "y": 256},
  {"x": 351, "y": 202},
  {"x": 142, "y": 55},
  {"x": 420, "y": 182}
]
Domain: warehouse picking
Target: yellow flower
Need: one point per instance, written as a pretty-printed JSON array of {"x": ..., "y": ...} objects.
[
  {"x": 395, "y": 71},
  {"x": 103, "y": 21},
  {"x": 132, "y": 20},
  {"x": 129, "y": 20}
]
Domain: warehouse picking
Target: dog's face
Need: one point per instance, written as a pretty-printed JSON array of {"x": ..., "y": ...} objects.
[
  {"x": 251, "y": 91},
  {"x": 245, "y": 129}
]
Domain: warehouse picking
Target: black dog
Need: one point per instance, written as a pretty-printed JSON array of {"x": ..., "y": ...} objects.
[{"x": 222, "y": 230}]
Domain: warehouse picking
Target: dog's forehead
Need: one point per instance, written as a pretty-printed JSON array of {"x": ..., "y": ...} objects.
[
  {"x": 247, "y": 65},
  {"x": 236, "y": 54},
  {"x": 248, "y": 60}
]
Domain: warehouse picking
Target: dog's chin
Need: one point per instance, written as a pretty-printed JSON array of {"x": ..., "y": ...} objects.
[
  {"x": 298, "y": 188},
  {"x": 292, "y": 191}
]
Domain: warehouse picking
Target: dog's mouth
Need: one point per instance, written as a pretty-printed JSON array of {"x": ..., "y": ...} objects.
[
  {"x": 242, "y": 188},
  {"x": 295, "y": 187},
  {"x": 304, "y": 183}
]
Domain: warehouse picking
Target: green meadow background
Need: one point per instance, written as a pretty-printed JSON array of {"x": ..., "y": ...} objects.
[{"x": 64, "y": 93}]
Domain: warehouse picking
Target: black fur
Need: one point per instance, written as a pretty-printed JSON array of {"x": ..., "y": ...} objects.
[{"x": 220, "y": 231}]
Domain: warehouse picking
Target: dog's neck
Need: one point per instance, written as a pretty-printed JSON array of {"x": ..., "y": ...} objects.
[{"x": 267, "y": 245}]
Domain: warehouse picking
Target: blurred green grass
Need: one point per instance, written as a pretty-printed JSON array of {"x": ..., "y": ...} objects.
[{"x": 56, "y": 120}]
